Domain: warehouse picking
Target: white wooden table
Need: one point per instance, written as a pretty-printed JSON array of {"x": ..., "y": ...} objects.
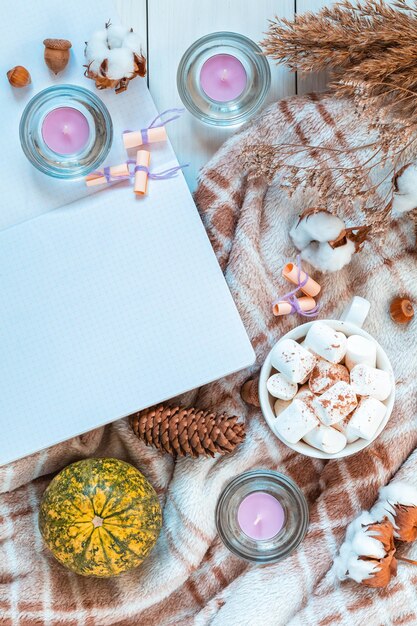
[{"x": 169, "y": 27}]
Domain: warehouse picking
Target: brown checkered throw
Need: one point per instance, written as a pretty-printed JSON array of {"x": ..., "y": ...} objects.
[{"x": 190, "y": 578}]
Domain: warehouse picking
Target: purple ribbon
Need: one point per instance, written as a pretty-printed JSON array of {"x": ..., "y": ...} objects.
[
  {"x": 291, "y": 298},
  {"x": 164, "y": 175},
  {"x": 107, "y": 175},
  {"x": 153, "y": 124}
]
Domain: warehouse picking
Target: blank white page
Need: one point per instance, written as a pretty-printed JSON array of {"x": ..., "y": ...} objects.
[{"x": 108, "y": 303}]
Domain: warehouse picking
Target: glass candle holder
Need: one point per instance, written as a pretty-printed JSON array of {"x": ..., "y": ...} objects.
[
  {"x": 262, "y": 516},
  {"x": 223, "y": 79},
  {"x": 66, "y": 131}
]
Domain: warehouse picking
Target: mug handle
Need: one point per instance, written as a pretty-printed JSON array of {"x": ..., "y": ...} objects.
[{"x": 356, "y": 311}]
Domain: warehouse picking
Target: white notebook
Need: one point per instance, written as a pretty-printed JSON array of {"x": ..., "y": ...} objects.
[{"x": 108, "y": 303}]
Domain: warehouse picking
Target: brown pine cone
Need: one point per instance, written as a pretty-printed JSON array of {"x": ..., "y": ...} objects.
[{"x": 180, "y": 431}]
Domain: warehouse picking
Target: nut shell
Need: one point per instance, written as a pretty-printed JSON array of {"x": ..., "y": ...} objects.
[
  {"x": 401, "y": 310},
  {"x": 249, "y": 392},
  {"x": 19, "y": 76},
  {"x": 57, "y": 54}
]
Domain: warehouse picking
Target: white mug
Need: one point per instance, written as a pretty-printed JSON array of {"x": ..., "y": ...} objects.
[{"x": 350, "y": 323}]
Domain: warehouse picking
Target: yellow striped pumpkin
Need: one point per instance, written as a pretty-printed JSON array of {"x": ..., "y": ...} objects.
[{"x": 100, "y": 517}]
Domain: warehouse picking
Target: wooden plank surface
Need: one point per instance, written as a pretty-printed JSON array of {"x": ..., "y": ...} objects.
[
  {"x": 134, "y": 15},
  {"x": 172, "y": 28},
  {"x": 168, "y": 27},
  {"x": 312, "y": 82}
]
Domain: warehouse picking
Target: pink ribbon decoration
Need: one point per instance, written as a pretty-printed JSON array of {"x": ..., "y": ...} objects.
[
  {"x": 153, "y": 124},
  {"x": 291, "y": 298}
]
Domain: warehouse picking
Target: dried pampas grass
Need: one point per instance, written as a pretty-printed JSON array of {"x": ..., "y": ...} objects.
[{"x": 369, "y": 48}]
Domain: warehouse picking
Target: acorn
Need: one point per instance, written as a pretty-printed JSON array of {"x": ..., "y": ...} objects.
[
  {"x": 19, "y": 76},
  {"x": 249, "y": 392},
  {"x": 401, "y": 310},
  {"x": 57, "y": 54}
]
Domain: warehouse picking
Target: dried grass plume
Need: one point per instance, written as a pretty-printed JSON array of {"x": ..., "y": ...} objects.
[{"x": 369, "y": 47}]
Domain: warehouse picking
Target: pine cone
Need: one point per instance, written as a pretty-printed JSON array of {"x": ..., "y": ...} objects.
[{"x": 180, "y": 431}]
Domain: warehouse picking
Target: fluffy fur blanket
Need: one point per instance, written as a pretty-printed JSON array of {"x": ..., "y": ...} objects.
[{"x": 190, "y": 577}]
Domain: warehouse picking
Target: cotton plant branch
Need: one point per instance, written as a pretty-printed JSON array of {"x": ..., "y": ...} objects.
[{"x": 368, "y": 554}]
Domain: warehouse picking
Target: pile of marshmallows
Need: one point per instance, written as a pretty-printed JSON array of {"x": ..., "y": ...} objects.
[{"x": 340, "y": 403}]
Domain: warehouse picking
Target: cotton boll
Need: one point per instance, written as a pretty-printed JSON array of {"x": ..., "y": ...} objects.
[
  {"x": 360, "y": 570},
  {"x": 405, "y": 199},
  {"x": 340, "y": 568},
  {"x": 96, "y": 47},
  {"x": 94, "y": 66},
  {"x": 345, "y": 553},
  {"x": 132, "y": 41},
  {"x": 115, "y": 35},
  {"x": 341, "y": 560},
  {"x": 399, "y": 492},
  {"x": 120, "y": 63},
  {"x": 366, "y": 545},
  {"x": 383, "y": 509},
  {"x": 99, "y": 36},
  {"x": 299, "y": 235},
  {"x": 364, "y": 519},
  {"x": 326, "y": 259},
  {"x": 320, "y": 227},
  {"x": 323, "y": 226}
]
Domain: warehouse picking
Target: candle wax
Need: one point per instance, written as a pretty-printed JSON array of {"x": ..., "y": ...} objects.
[
  {"x": 65, "y": 130},
  {"x": 260, "y": 515},
  {"x": 223, "y": 77}
]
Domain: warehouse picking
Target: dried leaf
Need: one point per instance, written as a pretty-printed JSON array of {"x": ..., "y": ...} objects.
[
  {"x": 387, "y": 566},
  {"x": 406, "y": 522},
  {"x": 384, "y": 532}
]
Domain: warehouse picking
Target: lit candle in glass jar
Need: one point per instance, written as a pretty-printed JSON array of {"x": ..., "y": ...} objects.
[
  {"x": 223, "y": 77},
  {"x": 65, "y": 130},
  {"x": 260, "y": 515}
]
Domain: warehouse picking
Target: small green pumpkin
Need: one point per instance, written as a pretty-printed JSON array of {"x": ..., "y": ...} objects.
[{"x": 100, "y": 517}]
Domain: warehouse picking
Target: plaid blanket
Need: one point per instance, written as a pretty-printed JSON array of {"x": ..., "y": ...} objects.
[{"x": 190, "y": 577}]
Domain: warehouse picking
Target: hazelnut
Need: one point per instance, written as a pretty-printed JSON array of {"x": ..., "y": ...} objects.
[
  {"x": 19, "y": 76},
  {"x": 401, "y": 310}
]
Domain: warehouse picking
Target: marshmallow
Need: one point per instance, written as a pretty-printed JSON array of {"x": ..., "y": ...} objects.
[
  {"x": 360, "y": 350},
  {"x": 367, "y": 418},
  {"x": 326, "y": 342},
  {"x": 280, "y": 387},
  {"x": 326, "y": 374},
  {"x": 326, "y": 439},
  {"x": 292, "y": 360},
  {"x": 296, "y": 421},
  {"x": 304, "y": 393},
  {"x": 369, "y": 381},
  {"x": 280, "y": 406},
  {"x": 343, "y": 427},
  {"x": 335, "y": 404}
]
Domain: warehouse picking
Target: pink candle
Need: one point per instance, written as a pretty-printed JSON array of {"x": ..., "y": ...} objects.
[
  {"x": 223, "y": 77},
  {"x": 65, "y": 130},
  {"x": 260, "y": 515}
]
